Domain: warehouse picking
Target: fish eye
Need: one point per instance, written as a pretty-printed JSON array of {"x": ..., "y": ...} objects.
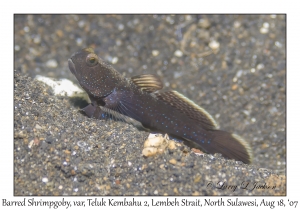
[{"x": 92, "y": 59}]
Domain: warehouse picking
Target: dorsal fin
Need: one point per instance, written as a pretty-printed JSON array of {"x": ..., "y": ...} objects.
[
  {"x": 147, "y": 82},
  {"x": 188, "y": 107}
]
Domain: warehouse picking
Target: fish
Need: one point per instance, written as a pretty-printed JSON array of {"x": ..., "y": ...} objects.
[{"x": 141, "y": 98}]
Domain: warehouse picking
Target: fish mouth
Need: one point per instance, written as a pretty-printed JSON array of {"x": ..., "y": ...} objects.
[{"x": 72, "y": 66}]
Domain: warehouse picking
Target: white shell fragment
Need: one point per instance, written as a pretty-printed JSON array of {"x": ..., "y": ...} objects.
[
  {"x": 60, "y": 87},
  {"x": 149, "y": 151},
  {"x": 30, "y": 144},
  {"x": 52, "y": 63},
  {"x": 156, "y": 144},
  {"x": 214, "y": 45},
  {"x": 178, "y": 53}
]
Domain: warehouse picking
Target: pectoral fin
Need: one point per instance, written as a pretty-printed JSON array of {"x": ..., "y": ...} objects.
[
  {"x": 101, "y": 112},
  {"x": 93, "y": 111}
]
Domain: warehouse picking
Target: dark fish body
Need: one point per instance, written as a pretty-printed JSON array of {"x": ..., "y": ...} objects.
[{"x": 139, "y": 98}]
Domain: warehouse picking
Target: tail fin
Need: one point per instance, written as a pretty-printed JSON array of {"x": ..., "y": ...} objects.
[{"x": 230, "y": 146}]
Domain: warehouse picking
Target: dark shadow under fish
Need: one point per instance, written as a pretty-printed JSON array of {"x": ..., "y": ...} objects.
[{"x": 139, "y": 98}]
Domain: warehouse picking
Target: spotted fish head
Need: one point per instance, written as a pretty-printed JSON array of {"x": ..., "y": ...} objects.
[{"x": 95, "y": 76}]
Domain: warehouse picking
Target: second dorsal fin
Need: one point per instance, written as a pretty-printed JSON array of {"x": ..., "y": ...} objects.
[
  {"x": 188, "y": 107},
  {"x": 147, "y": 82}
]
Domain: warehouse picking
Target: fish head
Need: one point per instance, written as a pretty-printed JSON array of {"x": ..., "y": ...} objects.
[{"x": 92, "y": 73}]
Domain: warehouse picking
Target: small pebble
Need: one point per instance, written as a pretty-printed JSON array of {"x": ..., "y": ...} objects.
[
  {"x": 197, "y": 178},
  {"x": 173, "y": 161},
  {"x": 155, "y": 53},
  {"x": 278, "y": 44},
  {"x": 234, "y": 87},
  {"x": 118, "y": 42},
  {"x": 214, "y": 45},
  {"x": 266, "y": 25},
  {"x": 246, "y": 112},
  {"x": 30, "y": 144},
  {"x": 178, "y": 53},
  {"x": 37, "y": 39},
  {"x": 120, "y": 27},
  {"x": 26, "y": 29},
  {"x": 260, "y": 66},
  {"x": 236, "y": 24},
  {"x": 239, "y": 73},
  {"x": 197, "y": 151},
  {"x": 52, "y": 63},
  {"x": 79, "y": 41},
  {"x": 45, "y": 179},
  {"x": 37, "y": 126},
  {"x": 17, "y": 47},
  {"x": 196, "y": 193},
  {"x": 204, "y": 23},
  {"x": 114, "y": 60},
  {"x": 265, "y": 28},
  {"x": 81, "y": 24}
]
